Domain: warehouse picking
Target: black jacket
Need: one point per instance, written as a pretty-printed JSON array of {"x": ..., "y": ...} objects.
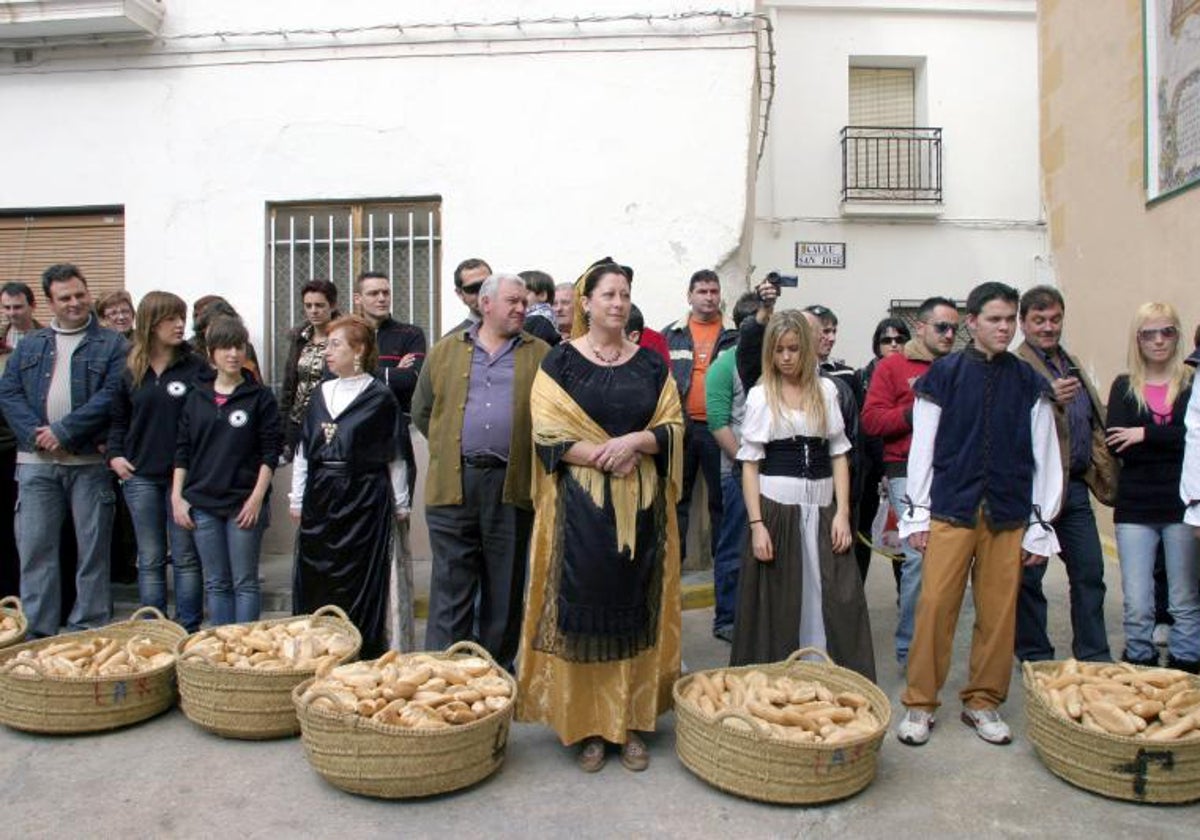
[
  {"x": 679, "y": 342},
  {"x": 397, "y": 340},
  {"x": 145, "y": 418},
  {"x": 1148, "y": 485},
  {"x": 222, "y": 447}
]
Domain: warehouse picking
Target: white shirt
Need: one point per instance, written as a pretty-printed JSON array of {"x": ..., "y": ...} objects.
[
  {"x": 1189, "y": 482},
  {"x": 1047, "y": 474},
  {"x": 338, "y": 394},
  {"x": 759, "y": 427}
]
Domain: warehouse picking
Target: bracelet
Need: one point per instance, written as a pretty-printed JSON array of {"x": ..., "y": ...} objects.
[{"x": 754, "y": 522}]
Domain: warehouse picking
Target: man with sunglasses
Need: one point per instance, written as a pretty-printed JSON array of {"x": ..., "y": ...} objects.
[
  {"x": 468, "y": 279},
  {"x": 1087, "y": 463},
  {"x": 887, "y": 414}
]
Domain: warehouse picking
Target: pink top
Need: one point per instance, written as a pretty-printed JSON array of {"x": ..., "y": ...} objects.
[{"x": 1156, "y": 400}]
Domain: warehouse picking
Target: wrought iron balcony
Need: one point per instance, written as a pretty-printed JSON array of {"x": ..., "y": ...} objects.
[{"x": 882, "y": 163}]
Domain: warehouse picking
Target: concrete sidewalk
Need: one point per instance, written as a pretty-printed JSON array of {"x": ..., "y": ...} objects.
[{"x": 167, "y": 778}]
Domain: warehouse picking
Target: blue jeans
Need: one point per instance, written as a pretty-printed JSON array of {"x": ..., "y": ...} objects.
[
  {"x": 1084, "y": 560},
  {"x": 731, "y": 540},
  {"x": 910, "y": 576},
  {"x": 47, "y": 494},
  {"x": 1137, "y": 545},
  {"x": 229, "y": 555},
  {"x": 149, "y": 504}
]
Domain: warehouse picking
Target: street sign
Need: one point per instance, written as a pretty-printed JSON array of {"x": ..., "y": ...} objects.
[{"x": 820, "y": 255}]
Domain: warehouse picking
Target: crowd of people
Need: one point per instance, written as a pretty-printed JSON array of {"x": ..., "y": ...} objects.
[{"x": 565, "y": 441}]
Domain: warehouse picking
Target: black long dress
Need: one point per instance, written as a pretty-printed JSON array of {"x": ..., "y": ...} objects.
[{"x": 344, "y": 545}]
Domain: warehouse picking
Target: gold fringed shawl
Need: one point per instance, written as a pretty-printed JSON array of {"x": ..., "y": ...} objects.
[
  {"x": 605, "y": 699},
  {"x": 558, "y": 419}
]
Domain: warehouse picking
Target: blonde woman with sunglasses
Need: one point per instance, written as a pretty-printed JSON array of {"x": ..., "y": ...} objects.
[{"x": 1146, "y": 410}]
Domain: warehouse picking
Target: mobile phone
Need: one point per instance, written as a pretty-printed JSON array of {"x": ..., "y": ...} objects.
[{"x": 1073, "y": 371}]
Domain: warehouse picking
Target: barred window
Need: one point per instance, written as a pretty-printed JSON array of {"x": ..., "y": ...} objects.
[{"x": 336, "y": 241}]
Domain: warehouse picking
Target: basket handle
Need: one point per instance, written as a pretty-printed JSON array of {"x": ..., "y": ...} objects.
[
  {"x": 473, "y": 648},
  {"x": 805, "y": 651},
  {"x": 318, "y": 693},
  {"x": 332, "y": 609},
  {"x": 152, "y": 612},
  {"x": 11, "y": 601},
  {"x": 757, "y": 728}
]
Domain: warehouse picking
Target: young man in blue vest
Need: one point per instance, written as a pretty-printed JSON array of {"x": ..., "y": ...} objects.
[{"x": 984, "y": 479}]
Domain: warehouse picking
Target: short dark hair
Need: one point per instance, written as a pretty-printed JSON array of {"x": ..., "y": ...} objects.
[
  {"x": 1041, "y": 297},
  {"x": 467, "y": 265},
  {"x": 636, "y": 322},
  {"x": 60, "y": 273},
  {"x": 320, "y": 287},
  {"x": 704, "y": 275},
  {"x": 985, "y": 293},
  {"x": 931, "y": 303},
  {"x": 224, "y": 332},
  {"x": 883, "y": 326},
  {"x": 370, "y": 275},
  {"x": 823, "y": 313},
  {"x": 746, "y": 306},
  {"x": 15, "y": 287},
  {"x": 539, "y": 282}
]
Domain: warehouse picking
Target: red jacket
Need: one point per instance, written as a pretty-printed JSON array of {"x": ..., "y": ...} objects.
[
  {"x": 887, "y": 410},
  {"x": 654, "y": 340}
]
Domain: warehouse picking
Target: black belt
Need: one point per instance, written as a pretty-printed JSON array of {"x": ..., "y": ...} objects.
[
  {"x": 797, "y": 457},
  {"x": 483, "y": 461}
]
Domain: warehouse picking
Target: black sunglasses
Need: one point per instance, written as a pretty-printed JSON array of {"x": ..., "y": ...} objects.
[
  {"x": 944, "y": 327},
  {"x": 473, "y": 289},
  {"x": 892, "y": 339}
]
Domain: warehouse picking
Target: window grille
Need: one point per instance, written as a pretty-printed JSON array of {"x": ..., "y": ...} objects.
[{"x": 337, "y": 241}]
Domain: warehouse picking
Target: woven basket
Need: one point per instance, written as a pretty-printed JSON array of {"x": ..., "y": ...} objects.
[
  {"x": 249, "y": 704},
  {"x": 11, "y": 606},
  {"x": 759, "y": 766},
  {"x": 60, "y": 705},
  {"x": 363, "y": 756},
  {"x": 1113, "y": 765}
]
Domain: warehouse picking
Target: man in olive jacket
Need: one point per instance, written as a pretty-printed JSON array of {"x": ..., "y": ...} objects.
[
  {"x": 472, "y": 405},
  {"x": 1087, "y": 464}
]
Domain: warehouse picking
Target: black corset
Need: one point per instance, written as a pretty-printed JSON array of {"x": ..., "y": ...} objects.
[{"x": 797, "y": 457}]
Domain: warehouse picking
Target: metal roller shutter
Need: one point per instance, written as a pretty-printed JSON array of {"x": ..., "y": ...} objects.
[{"x": 94, "y": 241}]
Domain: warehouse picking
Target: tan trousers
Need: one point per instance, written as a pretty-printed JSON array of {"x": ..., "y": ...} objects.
[{"x": 996, "y": 579}]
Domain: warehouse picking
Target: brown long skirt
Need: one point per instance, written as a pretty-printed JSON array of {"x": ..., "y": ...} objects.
[{"x": 766, "y": 628}]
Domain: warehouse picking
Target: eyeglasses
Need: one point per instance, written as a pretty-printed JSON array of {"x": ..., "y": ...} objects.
[
  {"x": 892, "y": 339},
  {"x": 943, "y": 327},
  {"x": 1150, "y": 333},
  {"x": 473, "y": 289}
]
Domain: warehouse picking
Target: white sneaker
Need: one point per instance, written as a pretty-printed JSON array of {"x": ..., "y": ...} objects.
[
  {"x": 988, "y": 725},
  {"x": 914, "y": 729},
  {"x": 1161, "y": 633}
]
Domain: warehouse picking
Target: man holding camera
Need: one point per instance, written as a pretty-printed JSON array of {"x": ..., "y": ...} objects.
[{"x": 1087, "y": 463}]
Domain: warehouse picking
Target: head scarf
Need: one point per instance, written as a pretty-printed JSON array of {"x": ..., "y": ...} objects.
[{"x": 579, "y": 324}]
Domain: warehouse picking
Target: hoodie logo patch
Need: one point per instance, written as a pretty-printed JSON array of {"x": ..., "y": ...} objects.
[
  {"x": 176, "y": 388},
  {"x": 238, "y": 419}
]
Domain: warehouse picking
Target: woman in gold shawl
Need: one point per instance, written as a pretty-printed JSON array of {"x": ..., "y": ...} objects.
[{"x": 600, "y": 640}]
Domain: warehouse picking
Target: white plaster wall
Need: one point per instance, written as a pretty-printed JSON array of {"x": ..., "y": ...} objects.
[
  {"x": 978, "y": 83},
  {"x": 638, "y": 147}
]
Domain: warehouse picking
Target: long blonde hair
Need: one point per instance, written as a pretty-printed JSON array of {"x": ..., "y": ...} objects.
[
  {"x": 1178, "y": 373},
  {"x": 812, "y": 398},
  {"x": 153, "y": 309}
]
